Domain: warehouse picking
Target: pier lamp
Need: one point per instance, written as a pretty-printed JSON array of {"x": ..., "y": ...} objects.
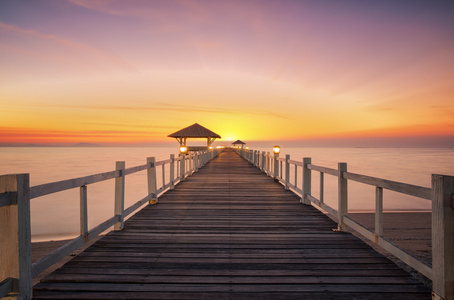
[
  {"x": 276, "y": 150},
  {"x": 247, "y": 147},
  {"x": 183, "y": 149},
  {"x": 211, "y": 148}
]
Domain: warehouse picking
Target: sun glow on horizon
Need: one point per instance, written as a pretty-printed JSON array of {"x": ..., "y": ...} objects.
[{"x": 257, "y": 71}]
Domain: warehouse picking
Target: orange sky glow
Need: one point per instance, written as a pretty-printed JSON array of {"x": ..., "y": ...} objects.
[{"x": 131, "y": 72}]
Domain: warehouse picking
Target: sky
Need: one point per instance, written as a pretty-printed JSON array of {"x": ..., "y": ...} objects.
[{"x": 317, "y": 72}]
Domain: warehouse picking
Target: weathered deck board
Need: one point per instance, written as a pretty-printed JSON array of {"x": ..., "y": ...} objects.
[{"x": 229, "y": 232}]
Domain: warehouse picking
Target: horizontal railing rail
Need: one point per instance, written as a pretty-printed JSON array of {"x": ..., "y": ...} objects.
[
  {"x": 403, "y": 188},
  {"x": 441, "y": 194},
  {"x": 15, "y": 196}
]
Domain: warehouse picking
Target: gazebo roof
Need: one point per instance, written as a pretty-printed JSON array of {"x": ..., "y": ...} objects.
[
  {"x": 194, "y": 131},
  {"x": 239, "y": 142}
]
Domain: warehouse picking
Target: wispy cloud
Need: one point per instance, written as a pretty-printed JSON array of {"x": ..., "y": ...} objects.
[
  {"x": 60, "y": 50},
  {"x": 170, "y": 108},
  {"x": 168, "y": 16},
  {"x": 19, "y": 133},
  {"x": 127, "y": 125}
]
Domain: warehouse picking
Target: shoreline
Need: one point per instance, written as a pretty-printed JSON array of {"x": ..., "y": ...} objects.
[{"x": 41, "y": 249}]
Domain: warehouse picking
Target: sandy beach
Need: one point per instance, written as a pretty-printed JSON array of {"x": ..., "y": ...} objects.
[
  {"x": 409, "y": 230},
  {"x": 41, "y": 249}
]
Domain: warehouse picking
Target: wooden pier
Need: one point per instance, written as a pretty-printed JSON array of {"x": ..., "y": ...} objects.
[{"x": 229, "y": 232}]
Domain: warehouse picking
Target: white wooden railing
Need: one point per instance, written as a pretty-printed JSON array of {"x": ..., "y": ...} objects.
[
  {"x": 16, "y": 267},
  {"x": 441, "y": 194}
]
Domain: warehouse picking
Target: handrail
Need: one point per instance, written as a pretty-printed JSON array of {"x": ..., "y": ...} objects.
[
  {"x": 323, "y": 169},
  {"x": 404, "y": 188},
  {"x": 54, "y": 187},
  {"x": 16, "y": 190},
  {"x": 441, "y": 194}
]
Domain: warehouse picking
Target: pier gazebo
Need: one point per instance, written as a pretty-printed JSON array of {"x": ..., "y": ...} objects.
[
  {"x": 195, "y": 131},
  {"x": 240, "y": 143}
]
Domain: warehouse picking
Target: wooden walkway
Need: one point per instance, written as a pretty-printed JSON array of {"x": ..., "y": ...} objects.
[{"x": 230, "y": 232}]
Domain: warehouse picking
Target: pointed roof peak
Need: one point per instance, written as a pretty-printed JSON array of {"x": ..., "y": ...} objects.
[{"x": 194, "y": 131}]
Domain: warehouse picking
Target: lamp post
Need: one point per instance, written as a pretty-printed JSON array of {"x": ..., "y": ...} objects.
[
  {"x": 276, "y": 151},
  {"x": 183, "y": 152}
]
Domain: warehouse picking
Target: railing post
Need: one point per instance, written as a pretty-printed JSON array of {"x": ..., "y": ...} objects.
[
  {"x": 263, "y": 162},
  {"x": 378, "y": 213},
  {"x": 120, "y": 195},
  {"x": 307, "y": 181},
  {"x": 83, "y": 211},
  {"x": 287, "y": 171},
  {"x": 322, "y": 187},
  {"x": 442, "y": 237},
  {"x": 196, "y": 161},
  {"x": 152, "y": 186},
  {"x": 163, "y": 175},
  {"x": 268, "y": 163},
  {"x": 296, "y": 177},
  {"x": 342, "y": 197},
  {"x": 190, "y": 160},
  {"x": 182, "y": 166},
  {"x": 15, "y": 236},
  {"x": 281, "y": 174},
  {"x": 276, "y": 167},
  {"x": 172, "y": 171}
]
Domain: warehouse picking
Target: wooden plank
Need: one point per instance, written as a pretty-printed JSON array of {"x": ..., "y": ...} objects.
[
  {"x": 227, "y": 295},
  {"x": 229, "y": 272},
  {"x": 209, "y": 279},
  {"x": 162, "y": 287}
]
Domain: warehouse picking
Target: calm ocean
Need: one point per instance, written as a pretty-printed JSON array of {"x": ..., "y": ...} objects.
[{"x": 56, "y": 216}]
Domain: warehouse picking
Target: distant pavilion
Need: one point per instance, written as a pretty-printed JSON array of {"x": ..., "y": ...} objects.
[
  {"x": 240, "y": 143},
  {"x": 195, "y": 131}
]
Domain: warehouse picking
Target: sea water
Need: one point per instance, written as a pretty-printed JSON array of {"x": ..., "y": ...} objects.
[{"x": 56, "y": 216}]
